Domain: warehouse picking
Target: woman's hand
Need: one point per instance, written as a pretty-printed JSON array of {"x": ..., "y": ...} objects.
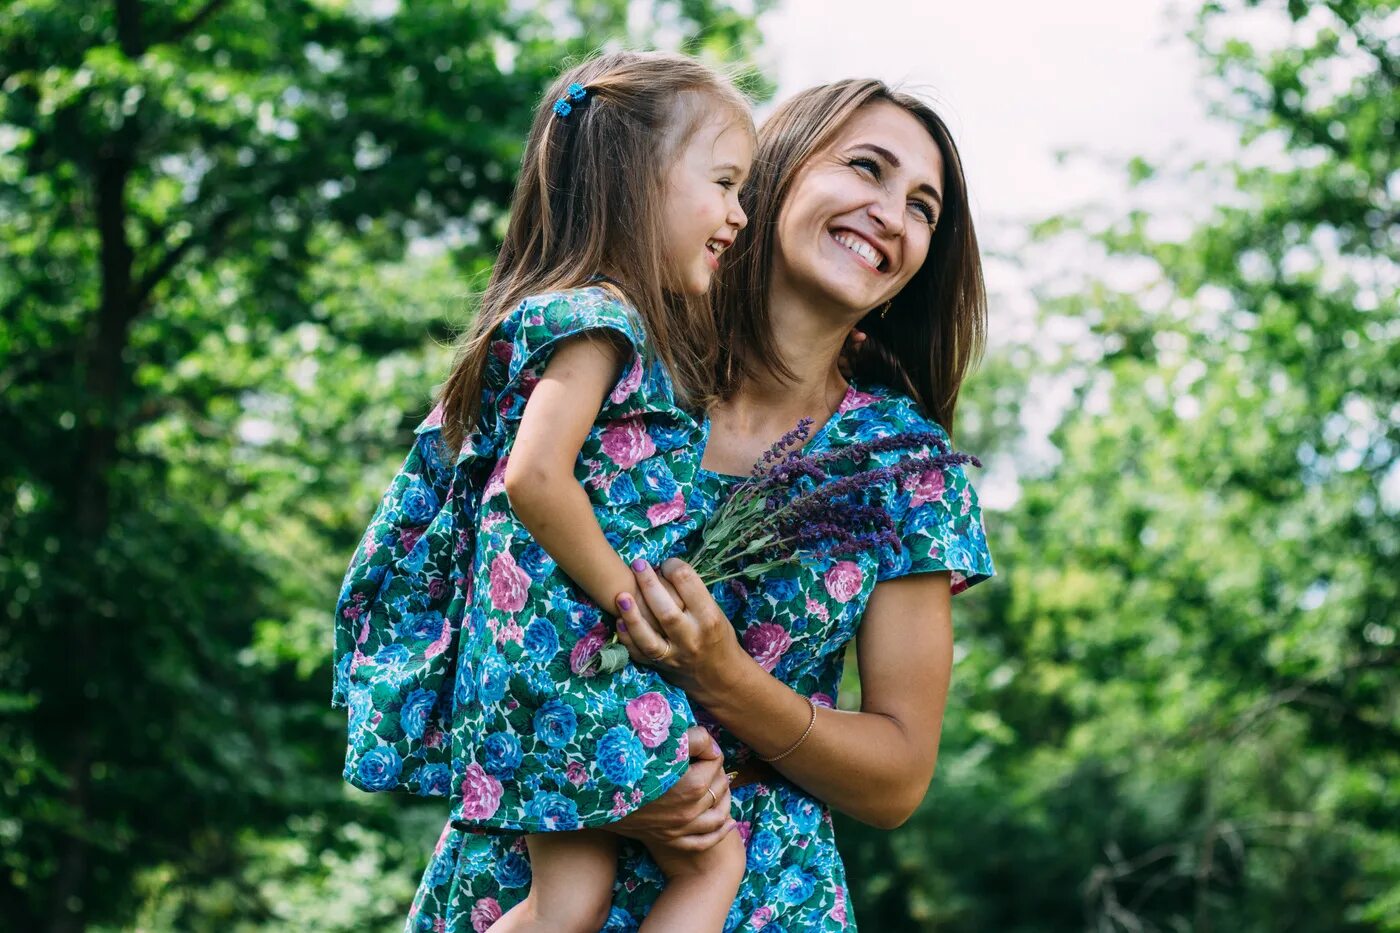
[
  {"x": 687, "y": 817},
  {"x": 694, "y": 647}
]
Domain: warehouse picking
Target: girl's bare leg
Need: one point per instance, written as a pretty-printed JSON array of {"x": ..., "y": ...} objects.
[
  {"x": 571, "y": 881},
  {"x": 700, "y": 887}
]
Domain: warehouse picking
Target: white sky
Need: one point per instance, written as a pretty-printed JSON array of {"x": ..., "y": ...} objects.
[{"x": 1016, "y": 81}]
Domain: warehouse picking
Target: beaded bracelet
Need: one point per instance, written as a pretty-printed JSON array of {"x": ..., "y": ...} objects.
[{"x": 808, "y": 731}]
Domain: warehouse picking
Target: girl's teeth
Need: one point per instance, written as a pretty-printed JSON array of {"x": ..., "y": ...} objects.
[{"x": 860, "y": 248}]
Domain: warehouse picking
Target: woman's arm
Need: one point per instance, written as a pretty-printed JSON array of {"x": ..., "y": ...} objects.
[
  {"x": 539, "y": 475},
  {"x": 875, "y": 764}
]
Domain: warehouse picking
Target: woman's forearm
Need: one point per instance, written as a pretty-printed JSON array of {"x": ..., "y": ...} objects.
[{"x": 866, "y": 765}]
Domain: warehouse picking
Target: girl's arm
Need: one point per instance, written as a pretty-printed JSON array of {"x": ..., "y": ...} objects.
[
  {"x": 539, "y": 476},
  {"x": 875, "y": 764}
]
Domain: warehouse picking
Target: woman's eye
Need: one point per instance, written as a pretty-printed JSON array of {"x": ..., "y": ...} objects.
[
  {"x": 930, "y": 217},
  {"x": 868, "y": 165}
]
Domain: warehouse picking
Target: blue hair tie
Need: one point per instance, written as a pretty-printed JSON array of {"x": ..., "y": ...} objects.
[{"x": 575, "y": 92}]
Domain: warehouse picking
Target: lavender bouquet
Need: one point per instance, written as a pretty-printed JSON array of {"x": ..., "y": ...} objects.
[{"x": 790, "y": 509}]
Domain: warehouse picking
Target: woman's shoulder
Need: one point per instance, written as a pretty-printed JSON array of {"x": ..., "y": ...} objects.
[{"x": 871, "y": 411}]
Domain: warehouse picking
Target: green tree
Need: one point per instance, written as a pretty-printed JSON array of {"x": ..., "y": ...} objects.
[
  {"x": 1179, "y": 708},
  {"x": 233, "y": 238}
]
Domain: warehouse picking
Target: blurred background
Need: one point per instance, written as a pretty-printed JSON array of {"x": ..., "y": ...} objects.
[{"x": 236, "y": 238}]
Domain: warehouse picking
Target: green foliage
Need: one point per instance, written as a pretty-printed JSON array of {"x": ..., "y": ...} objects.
[
  {"x": 235, "y": 237},
  {"x": 1179, "y": 706}
]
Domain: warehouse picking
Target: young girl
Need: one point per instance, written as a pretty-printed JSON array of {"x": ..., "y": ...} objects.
[{"x": 592, "y": 346}]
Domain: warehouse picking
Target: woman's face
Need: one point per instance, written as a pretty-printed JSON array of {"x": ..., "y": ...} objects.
[{"x": 857, "y": 222}]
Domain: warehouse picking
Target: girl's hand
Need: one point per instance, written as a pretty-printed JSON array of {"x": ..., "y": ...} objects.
[
  {"x": 686, "y": 818},
  {"x": 693, "y": 644}
]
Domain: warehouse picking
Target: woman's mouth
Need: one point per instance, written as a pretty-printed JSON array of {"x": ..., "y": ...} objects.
[{"x": 863, "y": 250}]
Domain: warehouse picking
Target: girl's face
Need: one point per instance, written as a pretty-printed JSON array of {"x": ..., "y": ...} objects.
[
  {"x": 857, "y": 222},
  {"x": 701, "y": 209}
]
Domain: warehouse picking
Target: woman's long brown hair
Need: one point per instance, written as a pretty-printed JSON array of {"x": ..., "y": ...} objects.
[
  {"x": 589, "y": 200},
  {"x": 934, "y": 331}
]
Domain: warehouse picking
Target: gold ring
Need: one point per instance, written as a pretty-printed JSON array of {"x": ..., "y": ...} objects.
[
  {"x": 714, "y": 801},
  {"x": 662, "y": 655}
]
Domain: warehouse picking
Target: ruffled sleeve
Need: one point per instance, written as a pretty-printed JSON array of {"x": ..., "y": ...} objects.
[
  {"x": 939, "y": 523},
  {"x": 540, "y": 325}
]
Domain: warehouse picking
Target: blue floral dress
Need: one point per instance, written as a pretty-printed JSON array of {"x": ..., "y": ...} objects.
[{"x": 796, "y": 623}]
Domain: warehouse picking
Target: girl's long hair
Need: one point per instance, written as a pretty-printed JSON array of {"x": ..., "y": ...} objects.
[
  {"x": 936, "y": 328},
  {"x": 589, "y": 200}
]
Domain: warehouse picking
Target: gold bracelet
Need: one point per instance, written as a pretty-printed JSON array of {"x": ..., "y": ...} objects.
[{"x": 796, "y": 745}]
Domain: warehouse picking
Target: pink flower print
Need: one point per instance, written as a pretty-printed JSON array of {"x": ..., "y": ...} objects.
[
  {"x": 627, "y": 443},
  {"x": 481, "y": 793},
  {"x": 484, "y": 913},
  {"x": 409, "y": 537},
  {"x": 627, "y": 384},
  {"x": 509, "y": 584},
  {"x": 586, "y": 648},
  {"x": 434, "y": 419},
  {"x": 650, "y": 716},
  {"x": 767, "y": 642},
  {"x": 854, "y": 400},
  {"x": 500, "y": 349},
  {"x": 511, "y": 631},
  {"x": 928, "y": 487},
  {"x": 843, "y": 581},
  {"x": 838, "y": 910},
  {"x": 576, "y": 773},
  {"x": 364, "y": 633},
  {"x": 664, "y": 512},
  {"x": 761, "y": 918},
  {"x": 744, "y": 828},
  {"x": 496, "y": 482},
  {"x": 436, "y": 587},
  {"x": 824, "y": 701},
  {"x": 439, "y": 925},
  {"x": 816, "y": 609},
  {"x": 449, "y": 631},
  {"x": 433, "y": 737},
  {"x": 619, "y": 807}
]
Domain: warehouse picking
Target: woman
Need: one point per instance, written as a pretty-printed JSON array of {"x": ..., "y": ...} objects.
[{"x": 859, "y": 218}]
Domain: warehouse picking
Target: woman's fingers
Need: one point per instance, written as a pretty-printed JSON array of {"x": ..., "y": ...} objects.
[
  {"x": 659, "y": 599},
  {"x": 642, "y": 641},
  {"x": 689, "y": 588},
  {"x": 703, "y": 841}
]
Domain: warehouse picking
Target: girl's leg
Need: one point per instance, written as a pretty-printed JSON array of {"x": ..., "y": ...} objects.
[
  {"x": 700, "y": 887},
  {"x": 571, "y": 881}
]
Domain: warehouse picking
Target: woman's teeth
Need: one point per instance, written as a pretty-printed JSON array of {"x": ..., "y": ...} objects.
[{"x": 861, "y": 248}]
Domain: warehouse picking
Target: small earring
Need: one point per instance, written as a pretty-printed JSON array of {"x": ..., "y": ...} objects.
[{"x": 885, "y": 308}]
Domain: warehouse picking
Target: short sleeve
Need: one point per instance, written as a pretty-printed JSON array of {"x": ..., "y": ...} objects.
[
  {"x": 414, "y": 497},
  {"x": 938, "y": 520},
  {"x": 541, "y": 324}
]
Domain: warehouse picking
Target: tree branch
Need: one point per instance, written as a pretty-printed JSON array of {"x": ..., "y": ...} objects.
[{"x": 182, "y": 30}]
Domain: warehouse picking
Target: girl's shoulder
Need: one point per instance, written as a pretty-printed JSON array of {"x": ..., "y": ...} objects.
[{"x": 575, "y": 309}]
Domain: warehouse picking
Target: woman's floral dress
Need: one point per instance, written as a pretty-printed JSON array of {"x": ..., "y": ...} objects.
[{"x": 796, "y": 623}]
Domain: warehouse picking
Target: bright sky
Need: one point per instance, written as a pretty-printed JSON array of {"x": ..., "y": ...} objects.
[{"x": 1016, "y": 80}]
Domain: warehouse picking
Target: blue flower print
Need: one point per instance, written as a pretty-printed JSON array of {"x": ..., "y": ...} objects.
[
  {"x": 553, "y": 811},
  {"x": 621, "y": 756},
  {"x": 413, "y": 715},
  {"x": 502, "y": 754},
  {"x": 435, "y": 780},
  {"x": 763, "y": 850},
  {"x": 555, "y": 723},
  {"x": 419, "y": 502},
  {"x": 795, "y": 885},
  {"x": 379, "y": 768},
  {"x": 541, "y": 640}
]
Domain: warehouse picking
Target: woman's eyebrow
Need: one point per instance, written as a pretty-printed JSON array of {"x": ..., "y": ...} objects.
[{"x": 893, "y": 159}]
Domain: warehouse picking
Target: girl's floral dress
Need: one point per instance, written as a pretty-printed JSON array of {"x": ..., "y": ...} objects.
[
  {"x": 537, "y": 744},
  {"x": 796, "y": 623}
]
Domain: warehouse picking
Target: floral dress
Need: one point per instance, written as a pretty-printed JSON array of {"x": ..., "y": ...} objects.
[
  {"x": 796, "y": 623},
  {"x": 538, "y": 745}
]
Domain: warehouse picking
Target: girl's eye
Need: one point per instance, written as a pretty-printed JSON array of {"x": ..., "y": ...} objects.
[
  {"x": 726, "y": 183},
  {"x": 868, "y": 165}
]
